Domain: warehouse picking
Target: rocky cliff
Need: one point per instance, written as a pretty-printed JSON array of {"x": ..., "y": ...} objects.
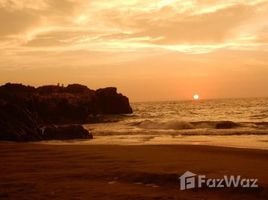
[{"x": 24, "y": 109}]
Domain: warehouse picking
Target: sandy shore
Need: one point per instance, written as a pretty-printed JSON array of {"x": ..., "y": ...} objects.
[{"x": 35, "y": 171}]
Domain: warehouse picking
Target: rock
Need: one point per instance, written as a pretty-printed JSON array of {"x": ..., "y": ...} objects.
[
  {"x": 66, "y": 133},
  {"x": 54, "y": 104},
  {"x": 111, "y": 102},
  {"x": 49, "y": 89},
  {"x": 72, "y": 89},
  {"x": 24, "y": 109},
  {"x": 226, "y": 125},
  {"x": 18, "y": 124},
  {"x": 77, "y": 88},
  {"x": 64, "y": 108},
  {"x": 61, "y": 105},
  {"x": 16, "y": 88}
]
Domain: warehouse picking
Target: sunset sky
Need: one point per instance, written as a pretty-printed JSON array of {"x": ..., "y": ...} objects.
[{"x": 150, "y": 50}]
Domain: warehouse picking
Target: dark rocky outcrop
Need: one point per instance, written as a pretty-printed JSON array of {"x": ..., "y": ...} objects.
[
  {"x": 66, "y": 133},
  {"x": 111, "y": 102},
  {"x": 24, "y": 109},
  {"x": 226, "y": 125},
  {"x": 17, "y": 123}
]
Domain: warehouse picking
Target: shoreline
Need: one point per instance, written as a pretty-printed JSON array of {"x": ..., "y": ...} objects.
[
  {"x": 242, "y": 142},
  {"x": 37, "y": 171}
]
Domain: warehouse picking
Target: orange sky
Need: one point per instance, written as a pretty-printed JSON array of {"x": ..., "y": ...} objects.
[{"x": 150, "y": 50}]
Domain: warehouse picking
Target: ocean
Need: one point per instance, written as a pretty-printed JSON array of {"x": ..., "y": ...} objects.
[{"x": 222, "y": 122}]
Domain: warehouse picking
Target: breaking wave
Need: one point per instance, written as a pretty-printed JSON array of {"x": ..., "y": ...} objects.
[{"x": 182, "y": 125}]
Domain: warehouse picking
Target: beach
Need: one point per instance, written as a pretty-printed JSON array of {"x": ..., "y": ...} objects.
[
  {"x": 42, "y": 171},
  {"x": 133, "y": 100}
]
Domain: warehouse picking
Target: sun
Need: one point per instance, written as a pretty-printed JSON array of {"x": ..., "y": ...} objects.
[{"x": 196, "y": 97}]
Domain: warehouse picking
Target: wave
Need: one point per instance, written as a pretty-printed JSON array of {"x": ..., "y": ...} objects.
[
  {"x": 182, "y": 125},
  {"x": 176, "y": 125},
  {"x": 259, "y": 116}
]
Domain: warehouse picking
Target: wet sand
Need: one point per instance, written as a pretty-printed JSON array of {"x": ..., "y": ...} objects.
[{"x": 38, "y": 171}]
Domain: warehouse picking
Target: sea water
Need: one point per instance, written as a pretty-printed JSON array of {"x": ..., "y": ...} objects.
[{"x": 221, "y": 122}]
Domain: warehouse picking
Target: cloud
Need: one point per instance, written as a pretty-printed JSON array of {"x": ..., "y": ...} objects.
[
  {"x": 262, "y": 37},
  {"x": 16, "y": 21},
  {"x": 24, "y": 16},
  {"x": 210, "y": 27},
  {"x": 16, "y": 5},
  {"x": 190, "y": 27},
  {"x": 175, "y": 46}
]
